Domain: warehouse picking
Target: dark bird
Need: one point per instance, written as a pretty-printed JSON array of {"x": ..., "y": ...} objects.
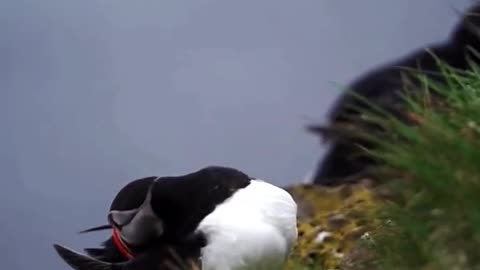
[
  {"x": 345, "y": 160},
  {"x": 217, "y": 217}
]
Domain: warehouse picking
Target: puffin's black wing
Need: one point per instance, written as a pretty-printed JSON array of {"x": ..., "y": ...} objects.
[
  {"x": 157, "y": 258},
  {"x": 81, "y": 262},
  {"x": 95, "y": 252}
]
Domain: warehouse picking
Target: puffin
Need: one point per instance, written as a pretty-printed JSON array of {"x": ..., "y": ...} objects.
[
  {"x": 346, "y": 160},
  {"x": 217, "y": 218}
]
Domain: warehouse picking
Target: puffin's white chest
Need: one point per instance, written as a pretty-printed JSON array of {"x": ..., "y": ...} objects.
[{"x": 255, "y": 228}]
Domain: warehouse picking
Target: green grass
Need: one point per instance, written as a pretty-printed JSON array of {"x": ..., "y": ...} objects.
[{"x": 434, "y": 173}]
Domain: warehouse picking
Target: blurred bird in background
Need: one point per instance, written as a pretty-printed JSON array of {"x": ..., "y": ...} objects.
[{"x": 383, "y": 87}]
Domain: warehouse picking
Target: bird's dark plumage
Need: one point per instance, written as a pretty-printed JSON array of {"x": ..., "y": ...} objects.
[
  {"x": 108, "y": 252},
  {"x": 180, "y": 202},
  {"x": 98, "y": 228},
  {"x": 345, "y": 160},
  {"x": 133, "y": 194},
  {"x": 184, "y": 201},
  {"x": 158, "y": 257},
  {"x": 218, "y": 217}
]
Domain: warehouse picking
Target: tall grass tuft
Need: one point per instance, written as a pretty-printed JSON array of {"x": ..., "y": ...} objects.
[{"x": 433, "y": 169}]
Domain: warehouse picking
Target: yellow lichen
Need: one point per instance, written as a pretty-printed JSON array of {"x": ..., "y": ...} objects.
[{"x": 330, "y": 221}]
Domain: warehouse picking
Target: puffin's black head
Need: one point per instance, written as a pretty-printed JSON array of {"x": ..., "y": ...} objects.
[
  {"x": 132, "y": 221},
  {"x": 131, "y": 213}
]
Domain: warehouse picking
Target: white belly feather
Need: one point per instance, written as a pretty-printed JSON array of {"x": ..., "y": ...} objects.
[{"x": 255, "y": 228}]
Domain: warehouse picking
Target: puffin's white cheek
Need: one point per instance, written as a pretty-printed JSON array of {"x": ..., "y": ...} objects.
[
  {"x": 133, "y": 235},
  {"x": 141, "y": 231}
]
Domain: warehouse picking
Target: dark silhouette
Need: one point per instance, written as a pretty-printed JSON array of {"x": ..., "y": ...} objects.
[
  {"x": 156, "y": 238},
  {"x": 345, "y": 161}
]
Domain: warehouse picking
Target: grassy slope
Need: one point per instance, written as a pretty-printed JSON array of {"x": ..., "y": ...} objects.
[{"x": 434, "y": 222}]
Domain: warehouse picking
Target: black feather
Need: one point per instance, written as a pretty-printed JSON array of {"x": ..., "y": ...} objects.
[
  {"x": 81, "y": 262},
  {"x": 159, "y": 256},
  {"x": 108, "y": 252},
  {"x": 98, "y": 228}
]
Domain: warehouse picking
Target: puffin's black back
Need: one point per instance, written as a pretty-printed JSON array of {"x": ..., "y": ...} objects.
[
  {"x": 382, "y": 87},
  {"x": 181, "y": 202}
]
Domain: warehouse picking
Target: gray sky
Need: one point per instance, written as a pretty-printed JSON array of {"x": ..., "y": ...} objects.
[{"x": 97, "y": 93}]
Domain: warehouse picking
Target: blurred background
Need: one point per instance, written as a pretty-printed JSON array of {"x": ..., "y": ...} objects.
[{"x": 94, "y": 94}]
